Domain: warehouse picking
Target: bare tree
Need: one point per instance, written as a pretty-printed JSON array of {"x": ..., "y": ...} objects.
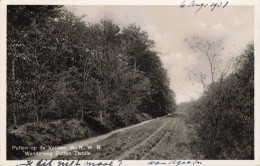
[{"x": 209, "y": 51}]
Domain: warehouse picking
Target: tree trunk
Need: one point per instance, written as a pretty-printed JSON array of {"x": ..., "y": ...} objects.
[
  {"x": 101, "y": 116},
  {"x": 14, "y": 115},
  {"x": 82, "y": 114},
  {"x": 134, "y": 67},
  {"x": 84, "y": 91},
  {"x": 37, "y": 81},
  {"x": 14, "y": 93}
]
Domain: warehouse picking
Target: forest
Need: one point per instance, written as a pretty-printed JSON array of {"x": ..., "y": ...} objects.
[
  {"x": 63, "y": 71},
  {"x": 61, "y": 67}
]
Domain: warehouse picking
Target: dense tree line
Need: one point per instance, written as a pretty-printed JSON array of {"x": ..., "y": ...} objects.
[
  {"x": 224, "y": 115},
  {"x": 59, "y": 66}
]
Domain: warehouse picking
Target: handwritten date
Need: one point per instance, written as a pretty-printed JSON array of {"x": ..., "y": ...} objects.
[{"x": 199, "y": 5}]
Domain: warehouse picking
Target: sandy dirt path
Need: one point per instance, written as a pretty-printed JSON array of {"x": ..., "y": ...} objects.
[
  {"x": 88, "y": 141},
  {"x": 164, "y": 138}
]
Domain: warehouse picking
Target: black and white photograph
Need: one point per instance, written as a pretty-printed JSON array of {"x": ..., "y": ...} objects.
[{"x": 130, "y": 82}]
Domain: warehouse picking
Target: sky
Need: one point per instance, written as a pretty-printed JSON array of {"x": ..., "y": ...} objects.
[{"x": 169, "y": 26}]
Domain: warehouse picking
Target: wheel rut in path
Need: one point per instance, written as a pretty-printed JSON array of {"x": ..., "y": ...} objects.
[
  {"x": 132, "y": 150},
  {"x": 155, "y": 145}
]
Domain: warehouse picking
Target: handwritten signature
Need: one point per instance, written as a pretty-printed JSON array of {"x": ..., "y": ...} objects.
[
  {"x": 193, "y": 3},
  {"x": 175, "y": 162}
]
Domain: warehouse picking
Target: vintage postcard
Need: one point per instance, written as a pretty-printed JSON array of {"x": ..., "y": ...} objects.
[{"x": 118, "y": 83}]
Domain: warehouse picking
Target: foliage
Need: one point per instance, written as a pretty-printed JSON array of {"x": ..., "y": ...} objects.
[
  {"x": 137, "y": 46},
  {"x": 60, "y": 67},
  {"x": 224, "y": 115}
]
